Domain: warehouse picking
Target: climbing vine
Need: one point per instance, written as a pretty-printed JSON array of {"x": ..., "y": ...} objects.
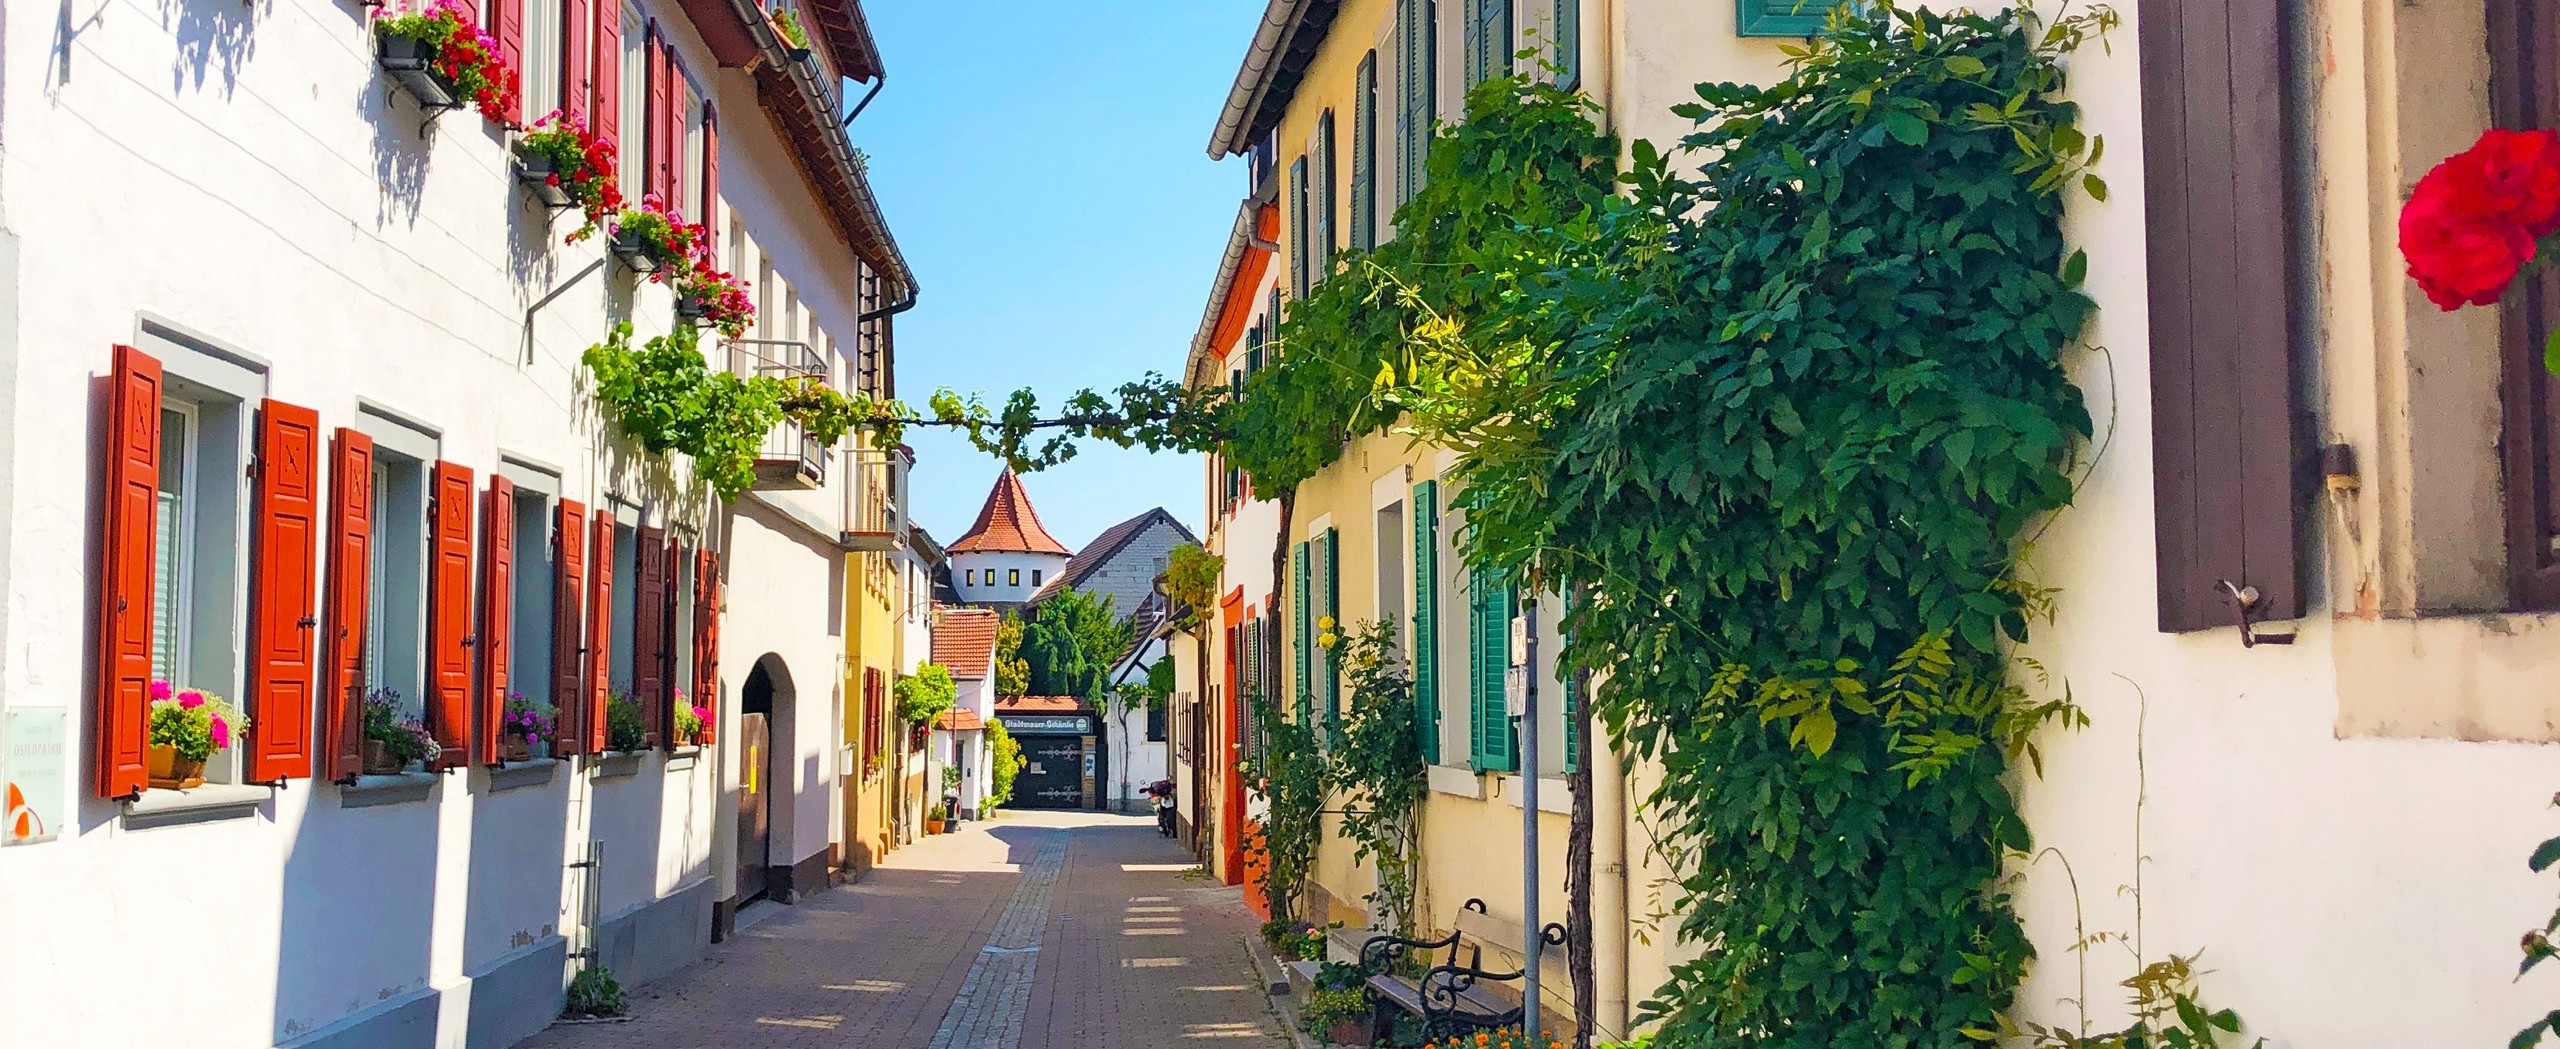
[
  {"x": 1286, "y": 770},
  {"x": 664, "y": 395},
  {"x": 1377, "y": 771}
]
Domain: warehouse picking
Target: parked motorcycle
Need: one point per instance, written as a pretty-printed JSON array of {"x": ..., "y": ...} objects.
[{"x": 1162, "y": 791}]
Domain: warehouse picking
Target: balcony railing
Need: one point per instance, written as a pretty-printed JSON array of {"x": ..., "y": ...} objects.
[
  {"x": 789, "y": 459},
  {"x": 874, "y": 511}
]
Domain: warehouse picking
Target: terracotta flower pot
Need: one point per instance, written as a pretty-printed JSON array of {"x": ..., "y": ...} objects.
[
  {"x": 171, "y": 772},
  {"x": 512, "y": 748},
  {"x": 378, "y": 760},
  {"x": 1350, "y": 1030},
  {"x": 933, "y": 826}
]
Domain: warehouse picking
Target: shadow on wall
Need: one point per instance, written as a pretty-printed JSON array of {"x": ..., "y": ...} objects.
[
  {"x": 215, "y": 38},
  {"x": 359, "y": 894},
  {"x": 512, "y": 900}
]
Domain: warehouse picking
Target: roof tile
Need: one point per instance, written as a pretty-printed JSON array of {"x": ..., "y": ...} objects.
[
  {"x": 964, "y": 640},
  {"x": 1008, "y": 524}
]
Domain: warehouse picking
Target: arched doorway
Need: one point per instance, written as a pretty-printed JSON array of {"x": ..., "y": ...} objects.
[{"x": 764, "y": 701}]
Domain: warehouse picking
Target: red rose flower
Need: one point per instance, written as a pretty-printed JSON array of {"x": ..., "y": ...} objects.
[
  {"x": 2459, "y": 252},
  {"x": 2518, "y": 174}
]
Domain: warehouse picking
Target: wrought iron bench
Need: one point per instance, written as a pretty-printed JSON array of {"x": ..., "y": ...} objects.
[{"x": 1451, "y": 997}]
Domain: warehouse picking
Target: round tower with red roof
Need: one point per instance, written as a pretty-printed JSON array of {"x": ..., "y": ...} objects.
[{"x": 1006, "y": 555}]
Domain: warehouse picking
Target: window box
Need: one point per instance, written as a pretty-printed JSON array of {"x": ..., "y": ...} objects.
[
  {"x": 616, "y": 764},
  {"x": 691, "y": 309},
  {"x": 412, "y": 65},
  {"x": 637, "y": 252},
  {"x": 534, "y": 171}
]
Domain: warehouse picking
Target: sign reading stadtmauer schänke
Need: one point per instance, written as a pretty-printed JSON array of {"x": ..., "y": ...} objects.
[{"x": 1047, "y": 724}]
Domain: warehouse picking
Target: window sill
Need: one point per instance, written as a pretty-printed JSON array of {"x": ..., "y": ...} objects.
[
  {"x": 399, "y": 788},
  {"x": 1463, "y": 783},
  {"x": 683, "y": 758},
  {"x": 519, "y": 774},
  {"x": 205, "y": 804},
  {"x": 1553, "y": 795},
  {"x": 618, "y": 764}
]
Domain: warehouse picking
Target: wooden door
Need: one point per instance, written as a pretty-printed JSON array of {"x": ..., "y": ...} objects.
[{"x": 755, "y": 824}]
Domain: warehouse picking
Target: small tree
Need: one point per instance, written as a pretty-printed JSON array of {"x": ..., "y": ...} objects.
[
  {"x": 1004, "y": 758},
  {"x": 1013, "y": 673}
]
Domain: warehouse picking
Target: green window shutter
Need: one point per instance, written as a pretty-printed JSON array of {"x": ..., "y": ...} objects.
[
  {"x": 1782, "y": 17},
  {"x": 1569, "y": 43},
  {"x": 1332, "y": 596},
  {"x": 1305, "y": 644},
  {"x": 1419, "y": 71},
  {"x": 1490, "y": 652},
  {"x": 1489, "y": 40},
  {"x": 1271, "y": 323},
  {"x": 1327, "y": 198},
  {"x": 1426, "y": 617},
  {"x": 1364, "y": 155},
  {"x": 1573, "y": 701},
  {"x": 1298, "y": 219}
]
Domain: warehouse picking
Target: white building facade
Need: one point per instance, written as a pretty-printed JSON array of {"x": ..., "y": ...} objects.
[{"x": 318, "y": 428}]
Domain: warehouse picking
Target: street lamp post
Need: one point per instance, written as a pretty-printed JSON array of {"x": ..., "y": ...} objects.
[{"x": 1528, "y": 650}]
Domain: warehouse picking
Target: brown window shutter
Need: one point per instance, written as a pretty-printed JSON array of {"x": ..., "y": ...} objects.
[
  {"x": 604, "y": 115},
  {"x": 578, "y": 55},
  {"x": 648, "y": 637},
  {"x": 568, "y": 636},
  {"x": 497, "y": 612},
  {"x": 706, "y": 641},
  {"x": 127, "y": 522},
  {"x": 2228, "y": 456},
  {"x": 599, "y": 649},
  {"x": 710, "y": 217},
  {"x": 654, "y": 121},
  {"x": 671, "y": 562},
  {"x": 283, "y": 664},
  {"x": 449, "y": 638},
  {"x": 2524, "y": 93},
  {"x": 350, "y": 594}
]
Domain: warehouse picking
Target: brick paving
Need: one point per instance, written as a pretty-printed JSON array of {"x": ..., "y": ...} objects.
[{"x": 1038, "y": 931}]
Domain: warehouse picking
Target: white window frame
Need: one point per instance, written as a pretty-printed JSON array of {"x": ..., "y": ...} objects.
[
  {"x": 181, "y": 641},
  {"x": 540, "y": 83},
  {"x": 634, "y": 102}
]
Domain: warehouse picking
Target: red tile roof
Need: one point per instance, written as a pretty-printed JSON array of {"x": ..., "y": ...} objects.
[
  {"x": 959, "y": 721},
  {"x": 1039, "y": 704},
  {"x": 1008, "y": 524},
  {"x": 964, "y": 640}
]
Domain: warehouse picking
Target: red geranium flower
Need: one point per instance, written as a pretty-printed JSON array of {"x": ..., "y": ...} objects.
[
  {"x": 2519, "y": 177},
  {"x": 2458, "y": 254}
]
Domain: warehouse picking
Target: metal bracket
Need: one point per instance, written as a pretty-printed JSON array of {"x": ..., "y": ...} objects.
[{"x": 2244, "y": 598}]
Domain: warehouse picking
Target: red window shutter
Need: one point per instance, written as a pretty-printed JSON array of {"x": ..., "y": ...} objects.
[
  {"x": 497, "y": 611},
  {"x": 711, "y": 173},
  {"x": 128, "y": 547},
  {"x": 671, "y": 562},
  {"x": 648, "y": 638},
  {"x": 2228, "y": 447},
  {"x": 680, "y": 97},
  {"x": 604, "y": 116},
  {"x": 449, "y": 639},
  {"x": 508, "y": 25},
  {"x": 350, "y": 594},
  {"x": 706, "y": 641},
  {"x": 577, "y": 59},
  {"x": 283, "y": 617},
  {"x": 654, "y": 120},
  {"x": 568, "y": 636},
  {"x": 599, "y": 627}
]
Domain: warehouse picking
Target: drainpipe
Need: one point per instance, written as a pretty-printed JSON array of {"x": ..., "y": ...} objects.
[{"x": 877, "y": 83}]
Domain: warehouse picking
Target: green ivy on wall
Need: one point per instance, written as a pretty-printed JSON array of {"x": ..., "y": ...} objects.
[{"x": 664, "y": 395}]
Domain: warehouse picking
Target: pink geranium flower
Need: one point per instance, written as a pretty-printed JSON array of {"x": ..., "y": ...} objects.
[
  {"x": 160, "y": 690},
  {"x": 221, "y": 731},
  {"x": 191, "y": 699}
]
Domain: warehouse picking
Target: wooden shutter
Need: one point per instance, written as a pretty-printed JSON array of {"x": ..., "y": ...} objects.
[
  {"x": 679, "y": 104},
  {"x": 1489, "y": 37},
  {"x": 706, "y": 641},
  {"x": 497, "y": 612},
  {"x": 128, "y": 518},
  {"x": 1568, "y": 43},
  {"x": 449, "y": 637},
  {"x": 350, "y": 595},
  {"x": 604, "y": 115},
  {"x": 1573, "y": 695},
  {"x": 1417, "y": 75},
  {"x": 1298, "y": 220},
  {"x": 599, "y": 649},
  {"x": 2226, "y": 451},
  {"x": 283, "y": 618},
  {"x": 711, "y": 172},
  {"x": 1489, "y": 656},
  {"x": 1326, "y": 198},
  {"x": 1425, "y": 642},
  {"x": 2524, "y": 93},
  {"x": 577, "y": 59},
  {"x": 1364, "y": 155},
  {"x": 507, "y": 23},
  {"x": 1330, "y": 673},
  {"x": 1780, "y": 17},
  {"x": 654, "y": 120},
  {"x": 648, "y": 637},
  {"x": 568, "y": 633},
  {"x": 1304, "y": 621}
]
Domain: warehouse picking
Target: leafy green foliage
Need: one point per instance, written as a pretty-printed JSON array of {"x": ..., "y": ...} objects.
[
  {"x": 594, "y": 992},
  {"x": 1287, "y": 772},
  {"x": 1070, "y": 642},
  {"x": 2537, "y": 945},
  {"x": 925, "y": 694},
  {"x": 665, "y": 396},
  {"x": 1005, "y": 758},
  {"x": 1191, "y": 581},
  {"x": 1155, "y": 413},
  {"x": 1013, "y": 673},
  {"x": 1377, "y": 768},
  {"x": 624, "y": 729},
  {"x": 2167, "y": 1015}
]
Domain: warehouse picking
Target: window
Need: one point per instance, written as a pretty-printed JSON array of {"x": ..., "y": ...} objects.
[
  {"x": 540, "y": 77},
  {"x": 969, "y": 576},
  {"x": 1035, "y": 577},
  {"x": 171, "y": 576},
  {"x": 626, "y": 607},
  {"x": 1155, "y": 718},
  {"x": 529, "y": 669},
  {"x": 2523, "y": 94},
  {"x": 1013, "y": 577},
  {"x": 694, "y": 138},
  {"x": 1390, "y": 540},
  {"x": 396, "y": 634},
  {"x": 1567, "y": 37},
  {"x": 196, "y": 584},
  {"x": 634, "y": 97}
]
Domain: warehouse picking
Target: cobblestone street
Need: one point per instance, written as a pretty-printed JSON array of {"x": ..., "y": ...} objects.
[{"x": 1038, "y": 931}]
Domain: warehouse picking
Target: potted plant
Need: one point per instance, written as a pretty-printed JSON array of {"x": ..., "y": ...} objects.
[
  {"x": 689, "y": 720},
  {"x": 565, "y": 166},
  {"x": 525, "y": 725},
  {"x": 188, "y": 727},
  {"x": 392, "y": 742},
  {"x": 623, "y": 729},
  {"x": 705, "y": 296},
  {"x": 649, "y": 238},
  {"x": 933, "y": 819},
  {"x": 786, "y": 24},
  {"x": 442, "y": 56},
  {"x": 1339, "y": 1010}
]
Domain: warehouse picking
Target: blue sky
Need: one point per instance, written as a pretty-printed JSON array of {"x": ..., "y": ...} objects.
[{"x": 1045, "y": 169}]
